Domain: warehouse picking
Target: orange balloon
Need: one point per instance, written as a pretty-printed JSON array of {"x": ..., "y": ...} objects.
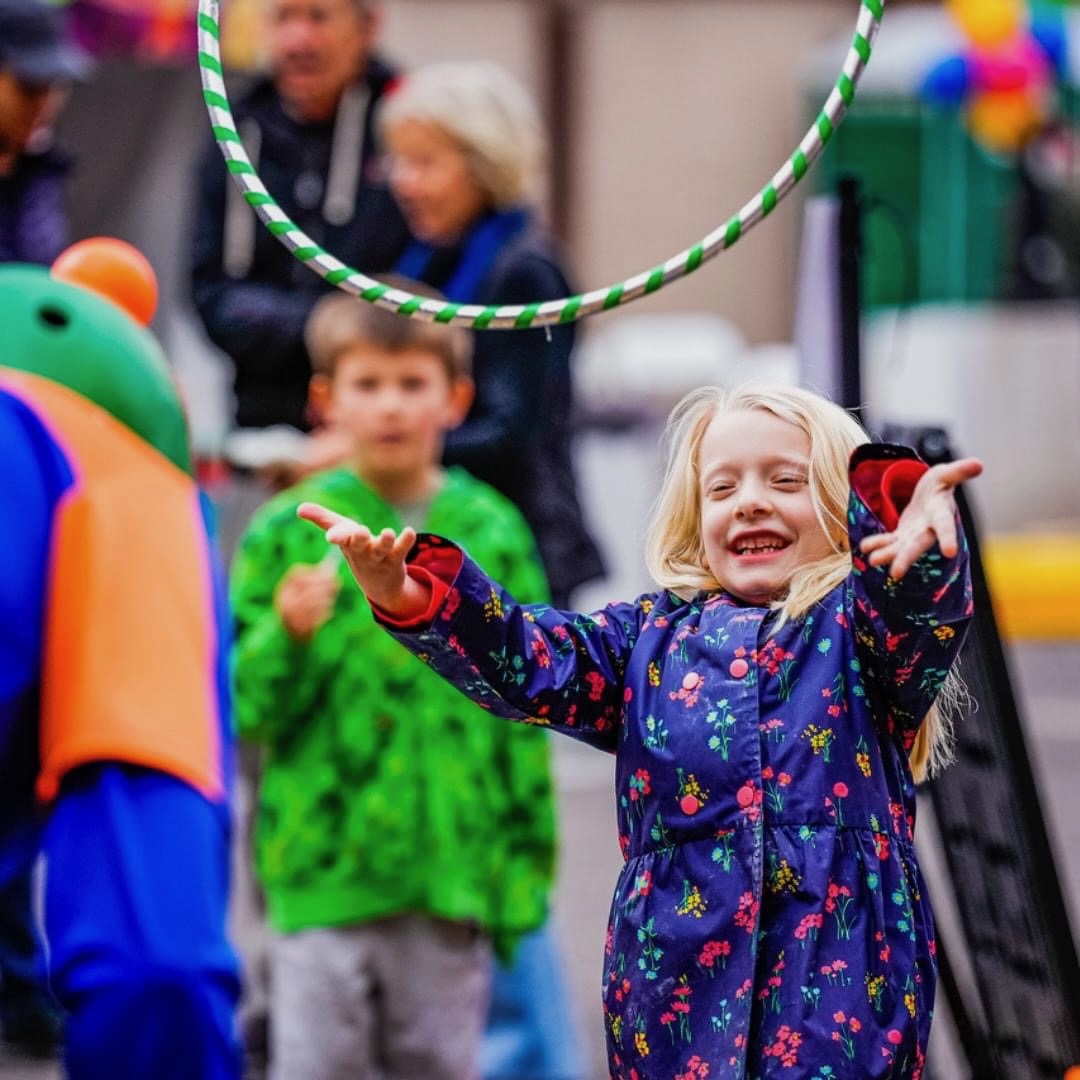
[
  {"x": 112, "y": 269},
  {"x": 1073, "y": 1073}
]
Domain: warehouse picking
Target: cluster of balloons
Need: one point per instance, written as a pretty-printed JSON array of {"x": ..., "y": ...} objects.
[{"x": 1005, "y": 77}]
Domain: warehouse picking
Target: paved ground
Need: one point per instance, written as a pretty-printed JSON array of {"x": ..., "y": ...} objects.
[{"x": 618, "y": 474}]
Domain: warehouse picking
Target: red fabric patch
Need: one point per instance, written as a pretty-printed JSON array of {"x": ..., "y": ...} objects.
[
  {"x": 436, "y": 568},
  {"x": 886, "y": 486}
]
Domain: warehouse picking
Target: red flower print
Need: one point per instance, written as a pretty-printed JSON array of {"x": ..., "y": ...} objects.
[
  {"x": 894, "y": 1037},
  {"x": 596, "y": 683},
  {"x": 840, "y": 790}
]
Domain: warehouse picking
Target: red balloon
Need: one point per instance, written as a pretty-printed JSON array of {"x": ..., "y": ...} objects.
[{"x": 112, "y": 269}]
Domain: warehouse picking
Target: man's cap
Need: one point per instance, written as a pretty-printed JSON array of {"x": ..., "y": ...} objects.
[{"x": 32, "y": 44}]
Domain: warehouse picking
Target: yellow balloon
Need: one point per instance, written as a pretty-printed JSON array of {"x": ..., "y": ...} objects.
[{"x": 988, "y": 22}]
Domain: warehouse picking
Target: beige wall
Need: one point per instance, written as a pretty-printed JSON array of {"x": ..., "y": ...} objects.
[
  {"x": 688, "y": 109},
  {"x": 683, "y": 110}
]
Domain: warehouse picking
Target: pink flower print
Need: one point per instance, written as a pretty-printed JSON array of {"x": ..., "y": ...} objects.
[
  {"x": 749, "y": 797},
  {"x": 836, "y": 973},
  {"x": 840, "y": 793},
  {"x": 597, "y": 683},
  {"x": 541, "y": 652},
  {"x": 838, "y": 900},
  {"x": 643, "y": 883},
  {"x": 690, "y": 691},
  {"x": 746, "y": 916},
  {"x": 712, "y": 952},
  {"x": 451, "y": 604},
  {"x": 849, "y": 1026},
  {"x": 786, "y": 1047},
  {"x": 808, "y": 928},
  {"x": 894, "y": 1036}
]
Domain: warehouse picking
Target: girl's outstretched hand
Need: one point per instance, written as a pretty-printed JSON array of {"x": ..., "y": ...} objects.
[
  {"x": 928, "y": 517},
  {"x": 377, "y": 562}
]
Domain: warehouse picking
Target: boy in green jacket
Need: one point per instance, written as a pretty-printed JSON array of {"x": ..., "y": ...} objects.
[{"x": 402, "y": 834}]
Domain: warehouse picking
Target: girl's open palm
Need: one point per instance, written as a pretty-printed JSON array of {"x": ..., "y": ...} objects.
[
  {"x": 377, "y": 562},
  {"x": 929, "y": 518}
]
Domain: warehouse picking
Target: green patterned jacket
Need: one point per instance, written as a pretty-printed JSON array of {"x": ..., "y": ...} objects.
[{"x": 384, "y": 789}]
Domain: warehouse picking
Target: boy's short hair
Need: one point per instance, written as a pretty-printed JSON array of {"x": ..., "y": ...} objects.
[{"x": 340, "y": 322}]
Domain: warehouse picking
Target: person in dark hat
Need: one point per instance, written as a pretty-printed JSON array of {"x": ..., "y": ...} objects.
[{"x": 35, "y": 66}]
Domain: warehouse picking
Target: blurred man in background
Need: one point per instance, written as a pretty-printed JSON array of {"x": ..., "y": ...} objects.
[{"x": 308, "y": 128}]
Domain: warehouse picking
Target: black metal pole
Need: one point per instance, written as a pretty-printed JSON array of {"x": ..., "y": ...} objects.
[{"x": 850, "y": 297}]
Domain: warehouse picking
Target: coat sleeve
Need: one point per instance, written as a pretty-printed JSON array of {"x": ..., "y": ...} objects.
[
  {"x": 276, "y": 679},
  {"x": 522, "y": 662},
  {"x": 910, "y": 631},
  {"x": 511, "y": 371},
  {"x": 527, "y": 781},
  {"x": 251, "y": 321}
]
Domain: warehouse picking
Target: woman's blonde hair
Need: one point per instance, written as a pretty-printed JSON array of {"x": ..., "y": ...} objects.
[
  {"x": 489, "y": 114},
  {"x": 675, "y": 552}
]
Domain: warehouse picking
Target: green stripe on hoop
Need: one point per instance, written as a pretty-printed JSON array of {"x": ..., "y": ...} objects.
[
  {"x": 279, "y": 228},
  {"x": 799, "y": 164},
  {"x": 569, "y": 313},
  {"x": 733, "y": 231},
  {"x": 258, "y": 198},
  {"x": 768, "y": 201},
  {"x": 825, "y": 128},
  {"x": 876, "y": 8},
  {"x": 484, "y": 319},
  {"x": 613, "y": 298},
  {"x": 695, "y": 258},
  {"x": 410, "y": 305},
  {"x": 239, "y": 168},
  {"x": 846, "y": 88},
  {"x": 447, "y": 313},
  {"x": 210, "y": 26},
  {"x": 375, "y": 292},
  {"x": 862, "y": 47},
  {"x": 525, "y": 319},
  {"x": 212, "y": 97},
  {"x": 336, "y": 277},
  {"x": 224, "y": 134},
  {"x": 207, "y": 61},
  {"x": 656, "y": 279},
  {"x": 306, "y": 254}
]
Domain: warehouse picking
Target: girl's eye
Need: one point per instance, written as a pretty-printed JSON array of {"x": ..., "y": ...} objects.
[
  {"x": 790, "y": 480},
  {"x": 718, "y": 489}
]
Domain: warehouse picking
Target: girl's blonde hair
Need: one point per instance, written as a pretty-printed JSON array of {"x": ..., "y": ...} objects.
[
  {"x": 675, "y": 552},
  {"x": 491, "y": 117}
]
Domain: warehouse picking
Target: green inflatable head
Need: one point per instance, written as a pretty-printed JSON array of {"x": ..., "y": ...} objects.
[{"x": 73, "y": 335}]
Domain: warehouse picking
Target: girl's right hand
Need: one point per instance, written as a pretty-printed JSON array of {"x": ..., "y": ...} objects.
[{"x": 377, "y": 562}]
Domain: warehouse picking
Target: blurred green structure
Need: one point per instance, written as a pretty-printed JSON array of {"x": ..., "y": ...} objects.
[{"x": 939, "y": 212}]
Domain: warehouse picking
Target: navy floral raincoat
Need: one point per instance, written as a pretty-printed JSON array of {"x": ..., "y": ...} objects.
[{"x": 770, "y": 919}]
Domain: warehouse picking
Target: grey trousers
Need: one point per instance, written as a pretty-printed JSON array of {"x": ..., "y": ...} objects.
[{"x": 404, "y": 998}]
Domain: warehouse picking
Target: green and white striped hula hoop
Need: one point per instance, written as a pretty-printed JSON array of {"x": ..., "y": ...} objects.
[{"x": 550, "y": 312}]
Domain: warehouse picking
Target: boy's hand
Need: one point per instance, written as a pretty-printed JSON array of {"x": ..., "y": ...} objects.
[
  {"x": 377, "y": 562},
  {"x": 928, "y": 517},
  {"x": 305, "y": 599}
]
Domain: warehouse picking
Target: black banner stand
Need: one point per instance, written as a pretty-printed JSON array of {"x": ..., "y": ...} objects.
[{"x": 1015, "y": 936}]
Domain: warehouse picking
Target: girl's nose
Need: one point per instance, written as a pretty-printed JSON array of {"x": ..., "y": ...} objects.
[{"x": 752, "y": 501}]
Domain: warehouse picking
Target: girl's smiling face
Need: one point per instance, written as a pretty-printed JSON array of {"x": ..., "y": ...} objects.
[{"x": 759, "y": 524}]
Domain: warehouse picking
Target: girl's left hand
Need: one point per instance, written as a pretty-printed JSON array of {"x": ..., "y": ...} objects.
[{"x": 929, "y": 518}]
